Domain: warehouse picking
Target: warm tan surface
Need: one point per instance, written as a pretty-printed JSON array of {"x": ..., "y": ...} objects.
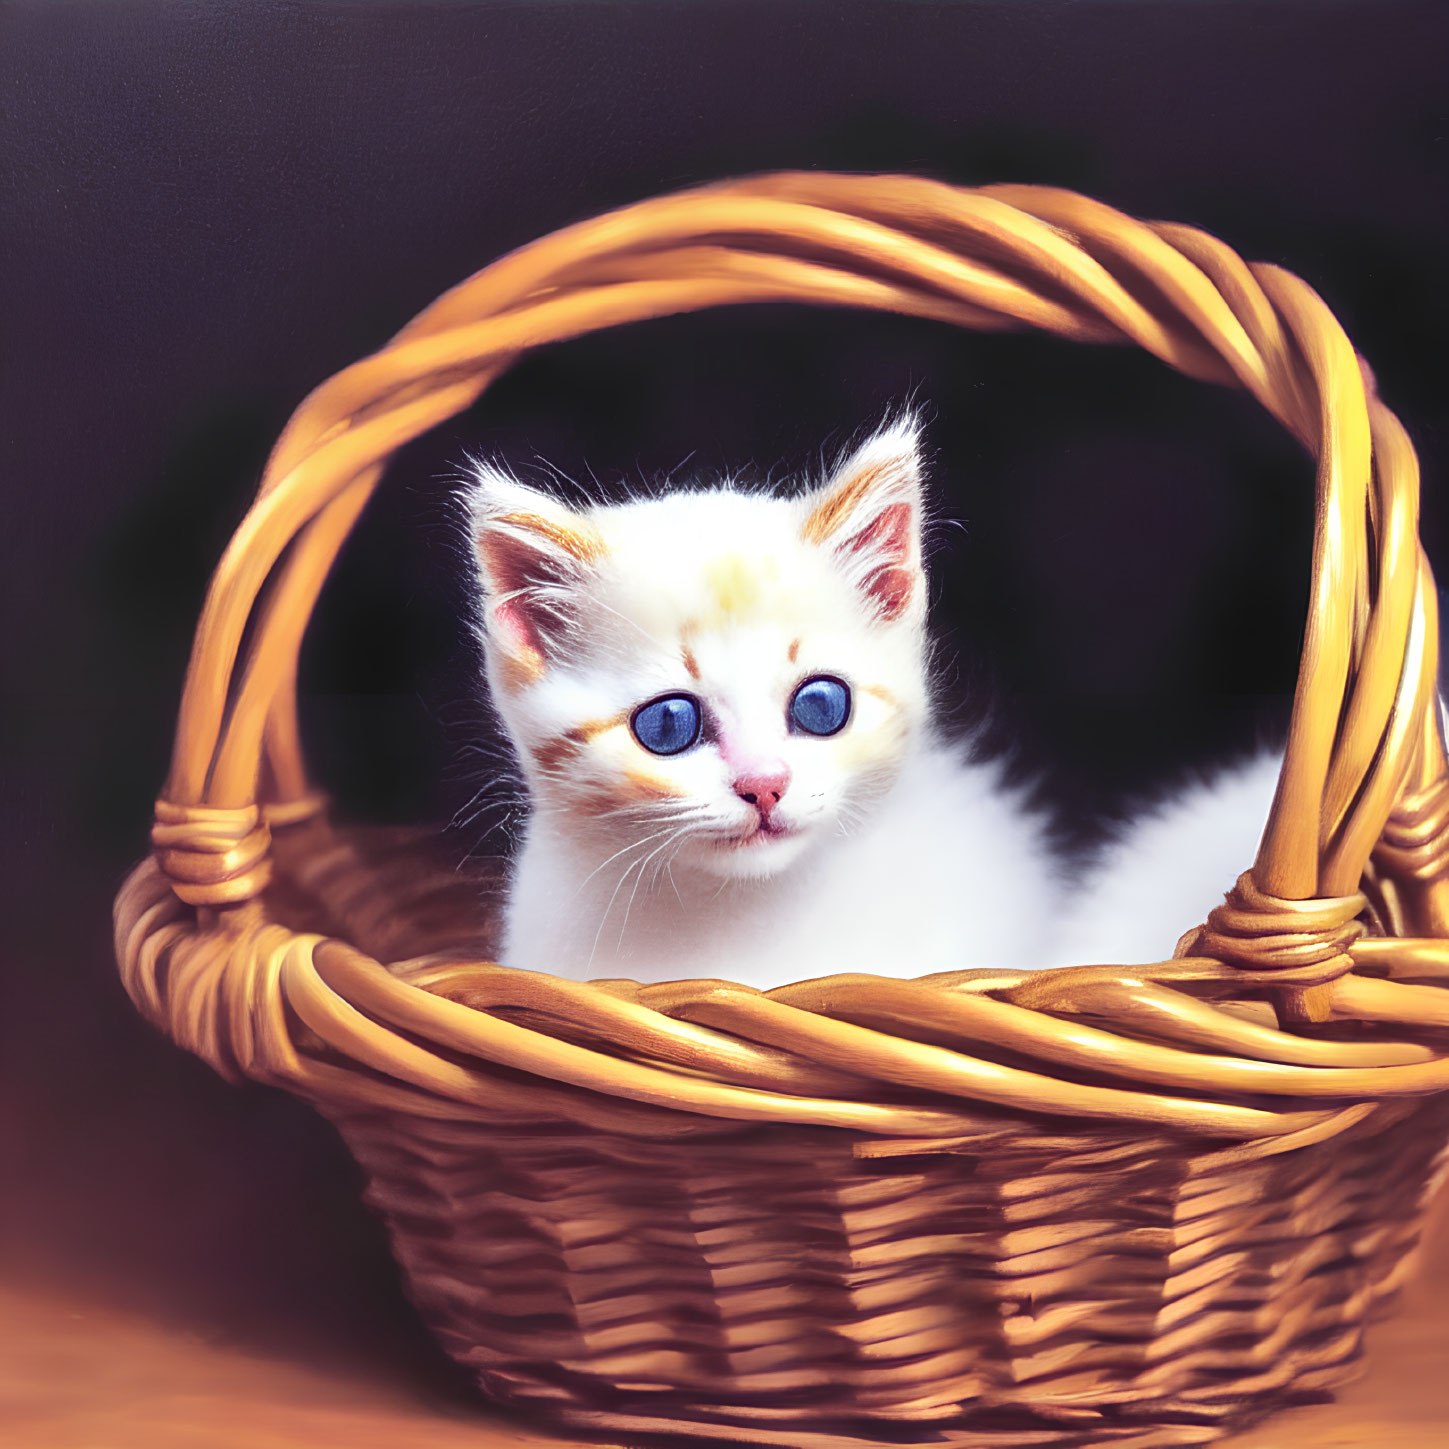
[{"x": 78, "y": 1376}]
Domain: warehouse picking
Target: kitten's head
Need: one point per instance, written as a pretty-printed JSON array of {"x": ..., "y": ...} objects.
[{"x": 726, "y": 676}]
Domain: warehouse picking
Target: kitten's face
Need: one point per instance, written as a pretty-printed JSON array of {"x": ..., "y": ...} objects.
[{"x": 710, "y": 681}]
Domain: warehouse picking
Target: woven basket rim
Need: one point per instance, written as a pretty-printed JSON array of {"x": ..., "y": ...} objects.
[{"x": 1363, "y": 802}]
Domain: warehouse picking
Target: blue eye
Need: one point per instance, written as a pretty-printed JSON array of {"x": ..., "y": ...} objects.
[
  {"x": 667, "y": 726},
  {"x": 820, "y": 706}
]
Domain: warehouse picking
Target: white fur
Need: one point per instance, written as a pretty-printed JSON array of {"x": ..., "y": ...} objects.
[
  {"x": 905, "y": 858},
  {"x": 1167, "y": 870}
]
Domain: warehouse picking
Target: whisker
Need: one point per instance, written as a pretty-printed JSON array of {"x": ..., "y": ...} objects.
[
  {"x": 629, "y": 905},
  {"x": 632, "y": 845},
  {"x": 593, "y": 950},
  {"x": 673, "y": 846},
  {"x": 482, "y": 801},
  {"x": 667, "y": 864}
]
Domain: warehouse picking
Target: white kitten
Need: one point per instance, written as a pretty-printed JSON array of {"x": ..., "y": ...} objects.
[{"x": 721, "y": 705}]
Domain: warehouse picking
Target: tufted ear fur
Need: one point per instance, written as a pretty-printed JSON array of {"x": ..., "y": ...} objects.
[
  {"x": 534, "y": 555},
  {"x": 869, "y": 516}
]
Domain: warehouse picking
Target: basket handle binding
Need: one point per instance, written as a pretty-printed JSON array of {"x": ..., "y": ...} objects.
[{"x": 1363, "y": 786}]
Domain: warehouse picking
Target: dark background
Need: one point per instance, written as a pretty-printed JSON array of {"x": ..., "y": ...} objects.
[{"x": 210, "y": 207}]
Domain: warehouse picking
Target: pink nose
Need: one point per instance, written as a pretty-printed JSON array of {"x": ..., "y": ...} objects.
[{"x": 762, "y": 789}]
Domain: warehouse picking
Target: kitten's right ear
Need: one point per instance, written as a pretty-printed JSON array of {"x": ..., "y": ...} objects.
[
  {"x": 869, "y": 516},
  {"x": 533, "y": 554}
]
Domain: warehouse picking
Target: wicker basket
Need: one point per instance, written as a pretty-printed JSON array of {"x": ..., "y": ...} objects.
[{"x": 1099, "y": 1205}]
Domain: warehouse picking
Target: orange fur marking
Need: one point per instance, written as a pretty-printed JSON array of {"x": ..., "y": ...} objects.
[
  {"x": 652, "y": 786},
  {"x": 690, "y": 662},
  {"x": 589, "y": 729},
  {"x": 840, "y": 502},
  {"x": 637, "y": 787},
  {"x": 517, "y": 671},
  {"x": 580, "y": 543},
  {"x": 794, "y": 650},
  {"x": 552, "y": 753},
  {"x": 880, "y": 692},
  {"x": 597, "y": 800}
]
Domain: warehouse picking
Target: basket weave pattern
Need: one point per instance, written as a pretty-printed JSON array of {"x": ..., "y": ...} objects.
[
  {"x": 781, "y": 1280},
  {"x": 1102, "y": 1205}
]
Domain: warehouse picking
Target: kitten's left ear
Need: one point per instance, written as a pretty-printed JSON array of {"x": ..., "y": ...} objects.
[{"x": 869, "y": 516}]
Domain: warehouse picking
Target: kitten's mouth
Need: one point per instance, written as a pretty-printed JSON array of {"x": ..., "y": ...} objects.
[{"x": 764, "y": 832}]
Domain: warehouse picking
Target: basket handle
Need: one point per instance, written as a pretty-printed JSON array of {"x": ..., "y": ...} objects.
[{"x": 1365, "y": 764}]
